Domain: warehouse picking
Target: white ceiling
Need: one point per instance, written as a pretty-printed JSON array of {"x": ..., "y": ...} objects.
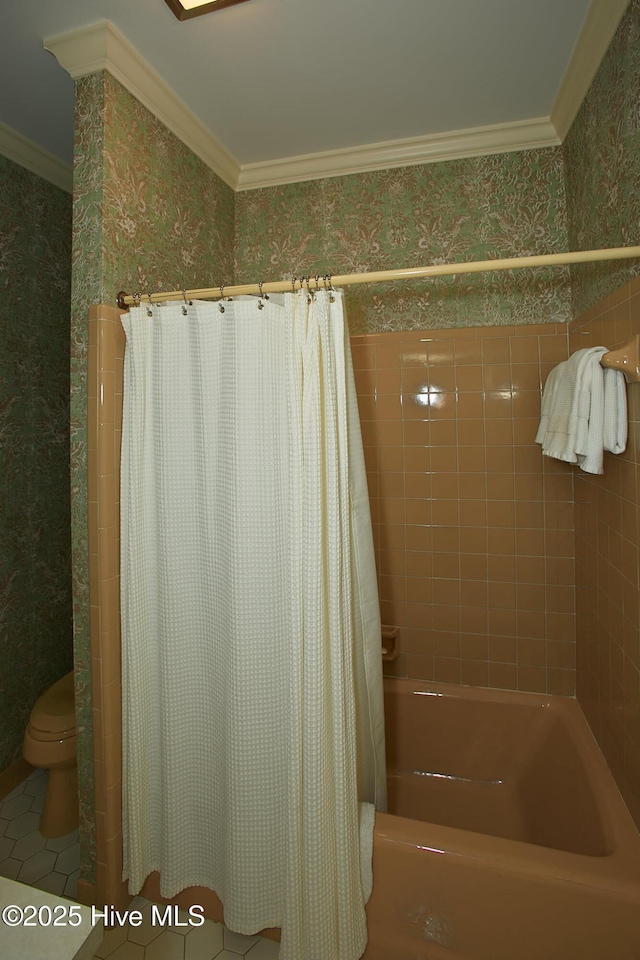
[{"x": 279, "y": 78}]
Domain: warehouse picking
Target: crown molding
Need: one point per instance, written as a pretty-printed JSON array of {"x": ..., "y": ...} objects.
[
  {"x": 598, "y": 29},
  {"x": 101, "y": 46},
  {"x": 473, "y": 142},
  {"x": 28, "y": 154}
]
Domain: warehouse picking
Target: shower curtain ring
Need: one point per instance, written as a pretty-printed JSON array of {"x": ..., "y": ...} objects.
[
  {"x": 264, "y": 296},
  {"x": 309, "y": 297},
  {"x": 332, "y": 299},
  {"x": 220, "y": 305},
  {"x": 138, "y": 297},
  {"x": 149, "y": 310},
  {"x": 184, "y": 305},
  {"x": 293, "y": 284}
]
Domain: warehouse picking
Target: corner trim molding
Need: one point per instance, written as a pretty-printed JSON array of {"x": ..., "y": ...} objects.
[
  {"x": 598, "y": 29},
  {"x": 473, "y": 142},
  {"x": 28, "y": 154},
  {"x": 101, "y": 46}
]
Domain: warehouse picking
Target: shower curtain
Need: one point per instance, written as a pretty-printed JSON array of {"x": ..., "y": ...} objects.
[{"x": 253, "y": 744}]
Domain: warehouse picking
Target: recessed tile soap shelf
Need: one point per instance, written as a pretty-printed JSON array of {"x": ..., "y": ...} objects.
[{"x": 390, "y": 637}]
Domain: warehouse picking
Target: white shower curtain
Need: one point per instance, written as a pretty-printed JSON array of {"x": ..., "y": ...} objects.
[{"x": 252, "y": 692}]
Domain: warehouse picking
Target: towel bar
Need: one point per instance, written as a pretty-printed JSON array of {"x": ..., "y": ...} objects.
[{"x": 627, "y": 359}]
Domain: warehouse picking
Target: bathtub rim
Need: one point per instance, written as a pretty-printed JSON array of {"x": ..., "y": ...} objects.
[{"x": 618, "y": 870}]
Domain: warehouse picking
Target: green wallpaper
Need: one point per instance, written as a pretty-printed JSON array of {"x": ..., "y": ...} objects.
[
  {"x": 602, "y": 167},
  {"x": 504, "y": 205},
  {"x": 148, "y": 215},
  {"x": 35, "y": 557}
]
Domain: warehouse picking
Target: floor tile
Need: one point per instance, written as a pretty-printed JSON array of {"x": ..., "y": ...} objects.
[
  {"x": 14, "y": 807},
  {"x": 10, "y": 868},
  {"x": 147, "y": 931},
  {"x": 168, "y": 946},
  {"x": 204, "y": 943},
  {"x": 111, "y": 941},
  {"x": 71, "y": 886},
  {"x": 28, "y": 845},
  {"x": 238, "y": 942},
  {"x": 264, "y": 950},
  {"x": 61, "y": 843},
  {"x": 26, "y": 855},
  {"x": 69, "y": 859},
  {"x": 183, "y": 917},
  {"x": 16, "y": 792},
  {"x": 128, "y": 951},
  {"x": 228, "y": 955},
  {"x": 36, "y": 784},
  {"x": 52, "y": 883},
  {"x": 22, "y": 825},
  {"x": 6, "y": 846},
  {"x": 138, "y": 903},
  {"x": 37, "y": 866}
]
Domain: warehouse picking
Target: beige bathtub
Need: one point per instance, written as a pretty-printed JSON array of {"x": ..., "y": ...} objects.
[{"x": 506, "y": 837}]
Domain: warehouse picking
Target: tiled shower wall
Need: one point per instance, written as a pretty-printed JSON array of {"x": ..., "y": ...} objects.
[
  {"x": 607, "y": 567},
  {"x": 473, "y": 528}
]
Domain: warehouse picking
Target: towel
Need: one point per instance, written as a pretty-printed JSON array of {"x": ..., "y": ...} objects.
[
  {"x": 556, "y": 408},
  {"x": 615, "y": 411},
  {"x": 578, "y": 419},
  {"x": 588, "y": 411}
]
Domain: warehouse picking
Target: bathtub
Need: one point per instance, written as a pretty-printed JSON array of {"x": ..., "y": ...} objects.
[{"x": 506, "y": 837}]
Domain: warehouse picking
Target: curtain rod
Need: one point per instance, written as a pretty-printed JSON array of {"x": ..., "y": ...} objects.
[{"x": 409, "y": 273}]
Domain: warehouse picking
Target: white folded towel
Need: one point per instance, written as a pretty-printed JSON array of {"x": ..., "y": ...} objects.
[
  {"x": 578, "y": 421},
  {"x": 588, "y": 411},
  {"x": 557, "y": 397},
  {"x": 615, "y": 411}
]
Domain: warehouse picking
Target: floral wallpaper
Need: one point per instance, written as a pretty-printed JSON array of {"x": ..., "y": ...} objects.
[
  {"x": 148, "y": 215},
  {"x": 35, "y": 549},
  {"x": 503, "y": 205},
  {"x": 602, "y": 167}
]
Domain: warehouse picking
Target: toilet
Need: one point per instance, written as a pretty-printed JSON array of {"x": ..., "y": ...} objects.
[{"x": 50, "y": 741}]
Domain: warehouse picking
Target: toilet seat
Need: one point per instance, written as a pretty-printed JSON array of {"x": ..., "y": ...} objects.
[{"x": 53, "y": 715}]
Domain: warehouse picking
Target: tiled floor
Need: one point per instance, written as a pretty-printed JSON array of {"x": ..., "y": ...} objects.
[
  {"x": 25, "y": 855},
  {"x": 53, "y": 865},
  {"x": 155, "y": 942}
]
